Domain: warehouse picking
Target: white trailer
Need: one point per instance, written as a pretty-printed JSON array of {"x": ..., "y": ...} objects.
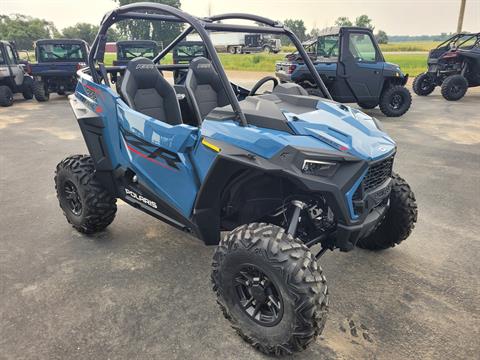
[{"x": 238, "y": 43}]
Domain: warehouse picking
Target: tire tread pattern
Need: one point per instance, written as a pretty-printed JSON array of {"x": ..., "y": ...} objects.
[
  {"x": 417, "y": 85},
  {"x": 447, "y": 84},
  {"x": 398, "y": 223},
  {"x": 385, "y": 101},
  {"x": 99, "y": 205},
  {"x": 302, "y": 275}
]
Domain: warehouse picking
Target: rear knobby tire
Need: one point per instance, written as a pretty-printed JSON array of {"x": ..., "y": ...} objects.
[
  {"x": 6, "y": 96},
  {"x": 41, "y": 94},
  {"x": 454, "y": 87},
  {"x": 423, "y": 84},
  {"x": 27, "y": 88},
  {"x": 293, "y": 271},
  {"x": 395, "y": 101},
  {"x": 96, "y": 207},
  {"x": 399, "y": 221}
]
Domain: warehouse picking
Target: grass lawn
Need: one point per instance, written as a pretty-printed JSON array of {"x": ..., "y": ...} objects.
[
  {"x": 413, "y": 64},
  {"x": 393, "y": 46}
]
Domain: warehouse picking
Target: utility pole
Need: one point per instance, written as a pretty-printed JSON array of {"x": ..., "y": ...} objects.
[{"x": 460, "y": 16}]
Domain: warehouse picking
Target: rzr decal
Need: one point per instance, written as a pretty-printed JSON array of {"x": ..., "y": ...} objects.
[{"x": 151, "y": 152}]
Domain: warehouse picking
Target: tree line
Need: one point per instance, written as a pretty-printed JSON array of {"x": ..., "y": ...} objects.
[
  {"x": 25, "y": 30},
  {"x": 298, "y": 27}
]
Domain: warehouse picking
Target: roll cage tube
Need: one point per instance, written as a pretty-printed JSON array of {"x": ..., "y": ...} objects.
[{"x": 140, "y": 11}]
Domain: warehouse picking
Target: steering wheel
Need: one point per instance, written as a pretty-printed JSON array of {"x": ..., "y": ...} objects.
[{"x": 261, "y": 82}]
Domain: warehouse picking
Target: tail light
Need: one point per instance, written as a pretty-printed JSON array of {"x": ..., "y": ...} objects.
[{"x": 291, "y": 68}]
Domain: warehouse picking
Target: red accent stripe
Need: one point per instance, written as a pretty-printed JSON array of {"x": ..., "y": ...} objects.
[
  {"x": 95, "y": 90},
  {"x": 149, "y": 158}
]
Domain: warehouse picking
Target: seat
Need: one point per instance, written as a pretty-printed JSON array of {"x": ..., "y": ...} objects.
[
  {"x": 146, "y": 91},
  {"x": 204, "y": 88}
]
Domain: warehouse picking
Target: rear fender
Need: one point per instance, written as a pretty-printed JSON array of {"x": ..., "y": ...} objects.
[{"x": 94, "y": 106}]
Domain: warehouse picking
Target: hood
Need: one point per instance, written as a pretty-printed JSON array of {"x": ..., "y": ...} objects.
[
  {"x": 344, "y": 128},
  {"x": 277, "y": 120},
  {"x": 391, "y": 69}
]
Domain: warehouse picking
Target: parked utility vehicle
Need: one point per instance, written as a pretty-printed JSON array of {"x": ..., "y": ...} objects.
[
  {"x": 353, "y": 68},
  {"x": 130, "y": 49},
  {"x": 184, "y": 53},
  {"x": 280, "y": 171},
  {"x": 13, "y": 76},
  {"x": 454, "y": 65},
  {"x": 238, "y": 43},
  {"x": 58, "y": 61}
]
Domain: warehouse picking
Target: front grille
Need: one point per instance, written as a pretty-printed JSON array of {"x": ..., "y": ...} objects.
[{"x": 377, "y": 174}]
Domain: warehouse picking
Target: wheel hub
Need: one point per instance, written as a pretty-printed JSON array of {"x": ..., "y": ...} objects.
[
  {"x": 397, "y": 100},
  {"x": 72, "y": 198},
  {"x": 258, "y": 296}
]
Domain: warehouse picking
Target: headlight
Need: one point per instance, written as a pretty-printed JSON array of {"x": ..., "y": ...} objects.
[{"x": 319, "y": 168}]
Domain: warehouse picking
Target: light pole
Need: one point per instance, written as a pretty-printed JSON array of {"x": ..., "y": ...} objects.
[{"x": 460, "y": 16}]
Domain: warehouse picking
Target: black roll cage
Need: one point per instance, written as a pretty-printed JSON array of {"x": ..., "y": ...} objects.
[
  {"x": 149, "y": 11},
  {"x": 457, "y": 37}
]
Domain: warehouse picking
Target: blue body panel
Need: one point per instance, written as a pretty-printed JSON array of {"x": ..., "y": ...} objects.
[
  {"x": 54, "y": 69},
  {"x": 177, "y": 175},
  {"x": 329, "y": 69}
]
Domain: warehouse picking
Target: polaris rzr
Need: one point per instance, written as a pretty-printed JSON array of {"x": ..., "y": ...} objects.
[
  {"x": 353, "y": 68},
  {"x": 286, "y": 175},
  {"x": 13, "y": 76},
  {"x": 454, "y": 65},
  {"x": 58, "y": 60}
]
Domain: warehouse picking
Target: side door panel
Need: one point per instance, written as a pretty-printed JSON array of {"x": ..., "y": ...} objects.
[
  {"x": 160, "y": 155},
  {"x": 362, "y": 65},
  {"x": 16, "y": 69}
]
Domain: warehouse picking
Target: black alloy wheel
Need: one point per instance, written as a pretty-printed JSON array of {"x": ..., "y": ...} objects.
[
  {"x": 258, "y": 296},
  {"x": 72, "y": 198}
]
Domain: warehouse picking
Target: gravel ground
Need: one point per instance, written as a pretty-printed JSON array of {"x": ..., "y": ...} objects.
[{"x": 141, "y": 289}]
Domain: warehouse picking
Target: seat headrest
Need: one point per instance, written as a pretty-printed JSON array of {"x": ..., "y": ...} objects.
[
  {"x": 203, "y": 69},
  {"x": 144, "y": 71}
]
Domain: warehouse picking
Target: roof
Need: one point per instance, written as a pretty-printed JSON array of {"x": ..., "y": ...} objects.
[
  {"x": 335, "y": 30},
  {"x": 137, "y": 42},
  {"x": 60, "y": 41}
]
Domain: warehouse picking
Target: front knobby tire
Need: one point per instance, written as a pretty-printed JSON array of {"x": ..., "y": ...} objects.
[
  {"x": 6, "y": 96},
  {"x": 395, "y": 101},
  {"x": 287, "y": 273},
  {"x": 86, "y": 204},
  {"x": 399, "y": 220}
]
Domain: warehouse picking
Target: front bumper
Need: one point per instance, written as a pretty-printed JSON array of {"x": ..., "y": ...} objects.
[{"x": 348, "y": 235}]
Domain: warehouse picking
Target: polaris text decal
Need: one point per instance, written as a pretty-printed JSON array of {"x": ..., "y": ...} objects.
[{"x": 140, "y": 198}]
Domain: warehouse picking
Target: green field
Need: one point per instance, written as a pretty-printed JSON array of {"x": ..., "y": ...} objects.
[
  {"x": 409, "y": 46},
  {"x": 393, "y": 47},
  {"x": 413, "y": 64}
]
